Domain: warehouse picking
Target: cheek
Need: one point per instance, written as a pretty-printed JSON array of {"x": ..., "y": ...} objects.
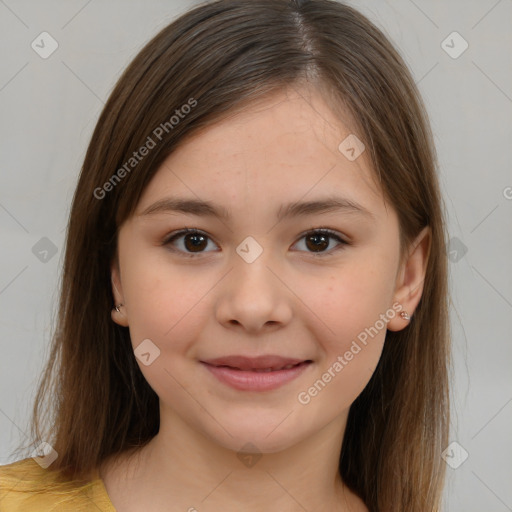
[
  {"x": 351, "y": 310},
  {"x": 351, "y": 299},
  {"x": 168, "y": 311},
  {"x": 349, "y": 353},
  {"x": 165, "y": 302}
]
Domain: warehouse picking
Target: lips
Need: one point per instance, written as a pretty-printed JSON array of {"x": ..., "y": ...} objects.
[
  {"x": 257, "y": 375},
  {"x": 266, "y": 363}
]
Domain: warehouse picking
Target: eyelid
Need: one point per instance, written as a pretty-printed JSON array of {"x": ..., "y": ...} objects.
[
  {"x": 339, "y": 237},
  {"x": 328, "y": 231},
  {"x": 332, "y": 233}
]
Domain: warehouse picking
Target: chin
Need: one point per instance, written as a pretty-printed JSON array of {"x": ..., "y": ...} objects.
[{"x": 255, "y": 440}]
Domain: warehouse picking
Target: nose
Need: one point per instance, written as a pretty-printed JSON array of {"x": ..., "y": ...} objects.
[{"x": 254, "y": 296}]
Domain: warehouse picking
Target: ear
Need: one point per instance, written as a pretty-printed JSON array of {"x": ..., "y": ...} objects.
[
  {"x": 411, "y": 277},
  {"x": 119, "y": 317}
]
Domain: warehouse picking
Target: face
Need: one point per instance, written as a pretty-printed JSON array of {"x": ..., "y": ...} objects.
[{"x": 263, "y": 279}]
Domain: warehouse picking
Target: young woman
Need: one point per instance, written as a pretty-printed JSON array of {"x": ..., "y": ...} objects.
[{"x": 254, "y": 300}]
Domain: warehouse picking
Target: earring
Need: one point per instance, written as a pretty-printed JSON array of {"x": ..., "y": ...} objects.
[
  {"x": 117, "y": 307},
  {"x": 405, "y": 315}
]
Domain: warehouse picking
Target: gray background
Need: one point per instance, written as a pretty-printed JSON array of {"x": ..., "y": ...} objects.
[{"x": 49, "y": 109}]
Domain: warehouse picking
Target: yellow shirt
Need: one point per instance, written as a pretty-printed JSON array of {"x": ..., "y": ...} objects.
[{"x": 20, "y": 480}]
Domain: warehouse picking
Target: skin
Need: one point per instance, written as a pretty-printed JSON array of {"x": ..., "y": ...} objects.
[{"x": 290, "y": 301}]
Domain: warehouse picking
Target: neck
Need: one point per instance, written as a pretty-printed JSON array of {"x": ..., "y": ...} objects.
[{"x": 182, "y": 467}]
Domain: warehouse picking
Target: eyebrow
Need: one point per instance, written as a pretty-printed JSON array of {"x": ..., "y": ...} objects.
[{"x": 294, "y": 209}]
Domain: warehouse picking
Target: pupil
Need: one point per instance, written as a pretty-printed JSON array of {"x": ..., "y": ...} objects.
[
  {"x": 197, "y": 241},
  {"x": 316, "y": 245}
]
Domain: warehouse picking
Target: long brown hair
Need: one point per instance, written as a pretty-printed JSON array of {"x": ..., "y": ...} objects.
[{"x": 216, "y": 58}]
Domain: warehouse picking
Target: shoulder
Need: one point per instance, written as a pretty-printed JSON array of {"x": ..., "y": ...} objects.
[{"x": 26, "y": 486}]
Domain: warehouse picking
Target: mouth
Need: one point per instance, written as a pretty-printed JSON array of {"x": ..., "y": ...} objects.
[
  {"x": 257, "y": 379},
  {"x": 265, "y": 363},
  {"x": 264, "y": 370}
]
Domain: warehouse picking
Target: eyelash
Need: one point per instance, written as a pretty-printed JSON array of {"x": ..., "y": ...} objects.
[{"x": 319, "y": 231}]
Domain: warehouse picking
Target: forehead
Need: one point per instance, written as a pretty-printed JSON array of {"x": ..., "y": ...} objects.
[{"x": 285, "y": 145}]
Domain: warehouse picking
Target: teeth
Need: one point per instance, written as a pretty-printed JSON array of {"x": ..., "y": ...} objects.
[{"x": 287, "y": 367}]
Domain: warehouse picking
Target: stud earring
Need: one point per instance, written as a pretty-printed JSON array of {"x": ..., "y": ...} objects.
[
  {"x": 405, "y": 315},
  {"x": 117, "y": 307}
]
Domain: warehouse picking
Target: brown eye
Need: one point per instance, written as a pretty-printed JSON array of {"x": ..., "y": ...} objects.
[
  {"x": 194, "y": 242},
  {"x": 318, "y": 241}
]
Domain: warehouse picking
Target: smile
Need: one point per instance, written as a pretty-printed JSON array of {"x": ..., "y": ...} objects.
[{"x": 258, "y": 379}]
